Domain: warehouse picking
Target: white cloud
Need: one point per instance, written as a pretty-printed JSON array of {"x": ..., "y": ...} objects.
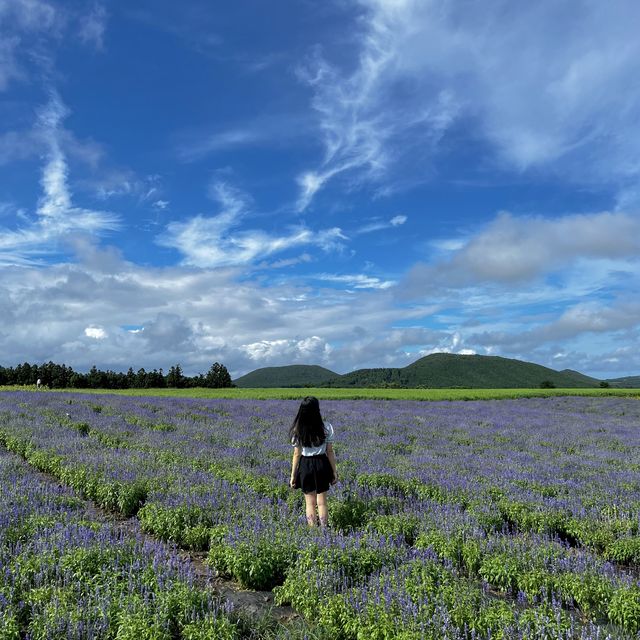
[
  {"x": 93, "y": 26},
  {"x": 379, "y": 225},
  {"x": 518, "y": 249},
  {"x": 196, "y": 317},
  {"x": 56, "y": 215},
  {"x": 19, "y": 20},
  {"x": 216, "y": 241},
  {"x": 277, "y": 129},
  {"x": 97, "y": 333},
  {"x": 191, "y": 316},
  {"x": 357, "y": 281},
  {"x": 310, "y": 183},
  {"x": 547, "y": 85},
  {"x": 310, "y": 350}
]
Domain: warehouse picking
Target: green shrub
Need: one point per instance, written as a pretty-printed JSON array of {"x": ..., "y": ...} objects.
[
  {"x": 625, "y": 550},
  {"x": 403, "y": 526},
  {"x": 500, "y": 570},
  {"x": 624, "y": 608},
  {"x": 260, "y": 566},
  {"x": 445, "y": 545},
  {"x": 211, "y": 628},
  {"x": 9, "y": 627},
  {"x": 591, "y": 592},
  {"x": 537, "y": 582},
  {"x": 349, "y": 513}
]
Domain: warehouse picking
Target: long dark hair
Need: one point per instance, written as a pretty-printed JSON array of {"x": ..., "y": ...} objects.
[{"x": 307, "y": 429}]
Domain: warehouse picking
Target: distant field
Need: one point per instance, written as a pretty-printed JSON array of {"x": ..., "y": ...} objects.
[{"x": 356, "y": 394}]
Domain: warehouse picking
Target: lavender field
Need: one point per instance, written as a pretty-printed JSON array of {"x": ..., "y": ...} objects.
[{"x": 483, "y": 519}]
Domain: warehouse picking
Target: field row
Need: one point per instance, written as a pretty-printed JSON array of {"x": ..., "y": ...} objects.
[
  {"x": 67, "y": 576},
  {"x": 354, "y": 393},
  {"x": 452, "y": 520}
]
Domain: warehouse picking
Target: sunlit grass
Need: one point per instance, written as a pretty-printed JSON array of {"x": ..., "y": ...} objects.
[{"x": 351, "y": 394}]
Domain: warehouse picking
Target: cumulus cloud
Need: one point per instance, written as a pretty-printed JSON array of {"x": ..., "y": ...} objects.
[
  {"x": 219, "y": 240},
  {"x": 93, "y": 312},
  {"x": 291, "y": 351},
  {"x": 97, "y": 333},
  {"x": 584, "y": 318},
  {"x": 511, "y": 250},
  {"x": 191, "y": 316},
  {"x": 547, "y": 85}
]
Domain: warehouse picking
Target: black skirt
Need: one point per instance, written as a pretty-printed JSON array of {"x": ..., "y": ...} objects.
[{"x": 314, "y": 474}]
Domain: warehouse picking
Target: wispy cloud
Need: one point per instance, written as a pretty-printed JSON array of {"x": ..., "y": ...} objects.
[
  {"x": 219, "y": 240},
  {"x": 20, "y": 18},
  {"x": 380, "y": 225},
  {"x": 93, "y": 26},
  {"x": 565, "y": 99},
  {"x": 356, "y": 281},
  {"x": 56, "y": 215},
  {"x": 271, "y": 129}
]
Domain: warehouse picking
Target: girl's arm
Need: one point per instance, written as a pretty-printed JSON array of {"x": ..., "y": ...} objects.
[
  {"x": 294, "y": 465},
  {"x": 332, "y": 459}
]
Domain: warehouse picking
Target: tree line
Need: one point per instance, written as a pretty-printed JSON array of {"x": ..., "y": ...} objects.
[{"x": 60, "y": 376}]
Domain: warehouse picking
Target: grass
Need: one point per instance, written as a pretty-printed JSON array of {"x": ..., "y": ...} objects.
[{"x": 352, "y": 394}]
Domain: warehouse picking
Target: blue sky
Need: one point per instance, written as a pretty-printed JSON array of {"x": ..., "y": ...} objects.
[{"x": 350, "y": 183}]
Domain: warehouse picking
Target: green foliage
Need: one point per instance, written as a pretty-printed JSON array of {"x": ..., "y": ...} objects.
[
  {"x": 349, "y": 513},
  {"x": 591, "y": 592},
  {"x": 624, "y": 608},
  {"x": 403, "y": 526},
  {"x": 189, "y": 526},
  {"x": 211, "y": 628},
  {"x": 500, "y": 570},
  {"x": 624, "y": 550},
  {"x": 260, "y": 565},
  {"x": 217, "y": 377},
  {"x": 536, "y": 583},
  {"x": 361, "y": 394},
  {"x": 9, "y": 627},
  {"x": 546, "y": 622}
]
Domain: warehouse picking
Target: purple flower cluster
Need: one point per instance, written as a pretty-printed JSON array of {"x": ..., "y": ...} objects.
[
  {"x": 64, "y": 575},
  {"x": 537, "y": 499}
]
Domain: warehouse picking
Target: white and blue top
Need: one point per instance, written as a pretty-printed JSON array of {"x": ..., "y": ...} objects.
[{"x": 317, "y": 451}]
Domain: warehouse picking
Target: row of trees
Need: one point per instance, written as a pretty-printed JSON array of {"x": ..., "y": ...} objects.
[{"x": 59, "y": 376}]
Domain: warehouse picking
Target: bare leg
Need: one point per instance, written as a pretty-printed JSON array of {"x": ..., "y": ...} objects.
[
  {"x": 311, "y": 503},
  {"x": 323, "y": 511}
]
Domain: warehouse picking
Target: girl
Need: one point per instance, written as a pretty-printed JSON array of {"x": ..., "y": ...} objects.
[{"x": 313, "y": 467}]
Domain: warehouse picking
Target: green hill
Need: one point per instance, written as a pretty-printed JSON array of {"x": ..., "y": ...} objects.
[
  {"x": 295, "y": 375},
  {"x": 628, "y": 382},
  {"x": 446, "y": 370}
]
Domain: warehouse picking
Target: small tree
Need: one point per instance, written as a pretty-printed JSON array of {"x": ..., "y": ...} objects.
[
  {"x": 547, "y": 384},
  {"x": 175, "y": 378},
  {"x": 217, "y": 377}
]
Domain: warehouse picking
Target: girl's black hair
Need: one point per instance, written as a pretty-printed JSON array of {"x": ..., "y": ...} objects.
[{"x": 307, "y": 429}]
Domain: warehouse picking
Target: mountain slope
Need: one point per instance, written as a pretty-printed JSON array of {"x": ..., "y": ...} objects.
[
  {"x": 446, "y": 370},
  {"x": 295, "y": 375},
  {"x": 628, "y": 382}
]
